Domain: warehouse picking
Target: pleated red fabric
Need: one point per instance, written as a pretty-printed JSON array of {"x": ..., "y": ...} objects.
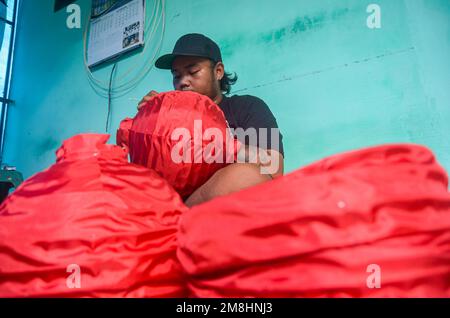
[
  {"x": 368, "y": 223},
  {"x": 181, "y": 135},
  {"x": 117, "y": 222},
  {"x": 123, "y": 133}
]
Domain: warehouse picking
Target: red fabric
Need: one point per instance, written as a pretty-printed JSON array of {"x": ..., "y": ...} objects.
[
  {"x": 123, "y": 133},
  {"x": 116, "y": 220},
  {"x": 314, "y": 232},
  {"x": 151, "y": 145}
]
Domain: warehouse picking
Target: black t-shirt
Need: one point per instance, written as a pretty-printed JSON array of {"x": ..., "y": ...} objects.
[{"x": 248, "y": 111}]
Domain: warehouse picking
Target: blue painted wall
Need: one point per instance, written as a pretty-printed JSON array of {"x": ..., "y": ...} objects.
[{"x": 333, "y": 83}]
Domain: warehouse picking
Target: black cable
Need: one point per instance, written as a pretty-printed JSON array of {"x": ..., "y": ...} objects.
[{"x": 109, "y": 96}]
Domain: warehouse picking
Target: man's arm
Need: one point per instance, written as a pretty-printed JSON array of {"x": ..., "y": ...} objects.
[
  {"x": 271, "y": 162},
  {"x": 232, "y": 178},
  {"x": 255, "y": 113}
]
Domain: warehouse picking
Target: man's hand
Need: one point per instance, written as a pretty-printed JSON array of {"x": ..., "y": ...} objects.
[
  {"x": 271, "y": 162},
  {"x": 146, "y": 98}
]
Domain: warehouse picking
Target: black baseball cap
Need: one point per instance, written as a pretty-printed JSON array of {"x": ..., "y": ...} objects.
[{"x": 192, "y": 44}]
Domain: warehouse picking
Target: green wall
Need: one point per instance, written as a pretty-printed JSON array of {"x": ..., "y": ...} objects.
[{"x": 333, "y": 83}]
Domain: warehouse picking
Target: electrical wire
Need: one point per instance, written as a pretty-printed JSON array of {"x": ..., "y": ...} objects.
[{"x": 110, "y": 97}]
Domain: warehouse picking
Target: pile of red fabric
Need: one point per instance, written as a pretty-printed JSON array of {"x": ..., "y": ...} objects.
[
  {"x": 181, "y": 135},
  {"x": 368, "y": 223},
  {"x": 92, "y": 210}
]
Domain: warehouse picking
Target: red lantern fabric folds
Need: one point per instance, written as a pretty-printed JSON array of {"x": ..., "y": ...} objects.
[
  {"x": 123, "y": 133},
  {"x": 340, "y": 227},
  {"x": 181, "y": 135},
  {"x": 117, "y": 222}
]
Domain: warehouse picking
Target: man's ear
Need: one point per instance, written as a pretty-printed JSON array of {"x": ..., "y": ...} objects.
[{"x": 219, "y": 70}]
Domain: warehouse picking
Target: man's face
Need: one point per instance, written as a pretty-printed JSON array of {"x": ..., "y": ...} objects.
[{"x": 196, "y": 74}]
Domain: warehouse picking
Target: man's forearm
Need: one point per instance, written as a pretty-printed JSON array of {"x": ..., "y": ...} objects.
[
  {"x": 232, "y": 178},
  {"x": 271, "y": 162}
]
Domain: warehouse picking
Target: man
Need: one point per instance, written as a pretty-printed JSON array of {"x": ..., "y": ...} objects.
[{"x": 196, "y": 65}]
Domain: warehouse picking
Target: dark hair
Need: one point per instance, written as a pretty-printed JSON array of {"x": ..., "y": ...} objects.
[{"x": 227, "y": 80}]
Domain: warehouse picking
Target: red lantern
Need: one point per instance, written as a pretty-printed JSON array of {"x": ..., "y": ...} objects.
[
  {"x": 181, "y": 135},
  {"x": 91, "y": 225},
  {"x": 368, "y": 223}
]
